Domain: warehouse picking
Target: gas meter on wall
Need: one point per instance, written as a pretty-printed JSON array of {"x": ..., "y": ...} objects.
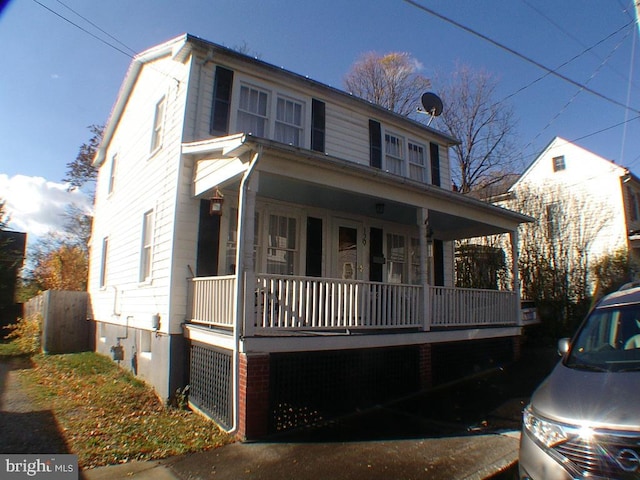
[{"x": 118, "y": 352}]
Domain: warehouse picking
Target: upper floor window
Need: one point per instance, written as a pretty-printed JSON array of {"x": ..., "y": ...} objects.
[
  {"x": 558, "y": 163},
  {"x": 394, "y": 153},
  {"x": 634, "y": 208},
  {"x": 147, "y": 245},
  {"x": 252, "y": 111},
  {"x": 553, "y": 220},
  {"x": 158, "y": 121},
  {"x": 288, "y": 121},
  {"x": 112, "y": 174},
  {"x": 416, "y": 162}
]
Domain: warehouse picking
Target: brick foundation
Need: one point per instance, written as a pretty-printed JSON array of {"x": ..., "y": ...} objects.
[{"x": 253, "y": 401}]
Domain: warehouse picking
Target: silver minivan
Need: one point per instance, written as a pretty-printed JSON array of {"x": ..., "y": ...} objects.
[{"x": 583, "y": 421}]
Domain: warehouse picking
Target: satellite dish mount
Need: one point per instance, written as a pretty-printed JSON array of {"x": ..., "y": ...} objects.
[{"x": 431, "y": 105}]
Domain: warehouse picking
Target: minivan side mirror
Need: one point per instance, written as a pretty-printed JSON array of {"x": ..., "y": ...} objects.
[{"x": 563, "y": 346}]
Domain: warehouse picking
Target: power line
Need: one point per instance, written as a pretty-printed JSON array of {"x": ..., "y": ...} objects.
[
  {"x": 520, "y": 55},
  {"x": 97, "y": 27},
  {"x": 84, "y": 29}
]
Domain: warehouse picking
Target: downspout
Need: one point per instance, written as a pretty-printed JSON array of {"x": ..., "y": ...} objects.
[{"x": 240, "y": 281}]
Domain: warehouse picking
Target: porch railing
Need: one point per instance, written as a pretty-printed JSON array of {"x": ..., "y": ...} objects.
[
  {"x": 286, "y": 302},
  {"x": 212, "y": 301},
  {"x": 464, "y": 307},
  {"x": 308, "y": 303}
]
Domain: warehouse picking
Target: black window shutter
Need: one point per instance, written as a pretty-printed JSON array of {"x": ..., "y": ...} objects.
[
  {"x": 317, "y": 125},
  {"x": 221, "y": 101},
  {"x": 434, "y": 151},
  {"x": 375, "y": 144}
]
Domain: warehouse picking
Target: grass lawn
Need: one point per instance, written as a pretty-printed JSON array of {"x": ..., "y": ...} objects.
[{"x": 106, "y": 415}]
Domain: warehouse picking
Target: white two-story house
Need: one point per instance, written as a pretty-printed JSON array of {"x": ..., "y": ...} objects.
[{"x": 280, "y": 246}]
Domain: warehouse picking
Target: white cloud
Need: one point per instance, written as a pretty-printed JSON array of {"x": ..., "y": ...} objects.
[{"x": 37, "y": 206}]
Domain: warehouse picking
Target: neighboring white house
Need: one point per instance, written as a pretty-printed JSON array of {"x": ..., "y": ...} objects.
[
  {"x": 281, "y": 246},
  {"x": 587, "y": 203}
]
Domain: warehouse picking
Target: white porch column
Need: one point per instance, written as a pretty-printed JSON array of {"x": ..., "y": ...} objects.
[
  {"x": 515, "y": 240},
  {"x": 423, "y": 220},
  {"x": 247, "y": 274}
]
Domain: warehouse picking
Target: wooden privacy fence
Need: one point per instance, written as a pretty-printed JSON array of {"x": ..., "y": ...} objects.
[{"x": 65, "y": 328}]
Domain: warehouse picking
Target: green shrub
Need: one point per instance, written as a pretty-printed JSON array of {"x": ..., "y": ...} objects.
[{"x": 25, "y": 334}]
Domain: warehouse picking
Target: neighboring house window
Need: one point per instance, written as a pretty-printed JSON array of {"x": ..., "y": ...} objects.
[
  {"x": 103, "y": 262},
  {"x": 252, "y": 112},
  {"x": 147, "y": 246},
  {"x": 553, "y": 220},
  {"x": 288, "y": 121},
  {"x": 396, "y": 258},
  {"x": 158, "y": 121},
  {"x": 558, "y": 164},
  {"x": 434, "y": 154},
  {"x": 375, "y": 144},
  {"x": 220, "y": 108},
  {"x": 281, "y": 249},
  {"x": 394, "y": 153},
  {"x": 416, "y": 161},
  {"x": 112, "y": 174},
  {"x": 317, "y": 125}
]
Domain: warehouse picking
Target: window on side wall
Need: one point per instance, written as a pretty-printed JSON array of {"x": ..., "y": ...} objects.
[
  {"x": 147, "y": 246},
  {"x": 103, "y": 262},
  {"x": 558, "y": 164},
  {"x": 394, "y": 154},
  {"x": 553, "y": 220},
  {"x": 112, "y": 173},
  {"x": 252, "y": 111},
  {"x": 158, "y": 122},
  {"x": 288, "y": 126}
]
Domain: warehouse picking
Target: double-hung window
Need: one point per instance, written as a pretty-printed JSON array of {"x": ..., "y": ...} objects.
[
  {"x": 394, "y": 154},
  {"x": 281, "y": 249},
  {"x": 158, "y": 122},
  {"x": 288, "y": 121},
  {"x": 147, "y": 246},
  {"x": 103, "y": 262},
  {"x": 253, "y": 111},
  {"x": 416, "y": 161},
  {"x": 396, "y": 258}
]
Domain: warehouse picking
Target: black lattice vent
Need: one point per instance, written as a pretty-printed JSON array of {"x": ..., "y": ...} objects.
[
  {"x": 308, "y": 388},
  {"x": 451, "y": 361},
  {"x": 211, "y": 383}
]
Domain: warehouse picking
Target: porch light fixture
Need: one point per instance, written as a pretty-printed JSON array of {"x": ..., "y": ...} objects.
[
  {"x": 379, "y": 208},
  {"x": 215, "y": 203}
]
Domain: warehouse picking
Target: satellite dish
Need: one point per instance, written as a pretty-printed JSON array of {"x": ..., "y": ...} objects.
[{"x": 431, "y": 105}]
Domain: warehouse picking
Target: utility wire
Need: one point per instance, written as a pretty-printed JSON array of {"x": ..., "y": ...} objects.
[
  {"x": 97, "y": 27},
  {"x": 84, "y": 30},
  {"x": 519, "y": 55}
]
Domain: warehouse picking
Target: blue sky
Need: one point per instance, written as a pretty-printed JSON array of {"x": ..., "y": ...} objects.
[{"x": 57, "y": 79}]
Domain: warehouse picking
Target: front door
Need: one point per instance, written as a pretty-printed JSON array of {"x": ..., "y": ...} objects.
[{"x": 348, "y": 258}]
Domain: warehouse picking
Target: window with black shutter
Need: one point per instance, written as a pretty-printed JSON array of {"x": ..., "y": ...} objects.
[
  {"x": 375, "y": 144},
  {"x": 221, "y": 101},
  {"x": 317, "y": 125},
  {"x": 434, "y": 151}
]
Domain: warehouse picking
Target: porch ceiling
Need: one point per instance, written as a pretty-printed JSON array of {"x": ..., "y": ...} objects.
[{"x": 445, "y": 226}]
